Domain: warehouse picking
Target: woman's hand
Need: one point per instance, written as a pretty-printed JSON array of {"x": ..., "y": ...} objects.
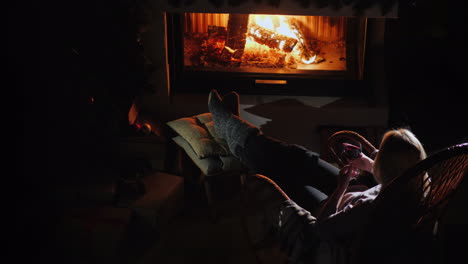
[
  {"x": 363, "y": 163},
  {"x": 330, "y": 205},
  {"x": 345, "y": 175}
]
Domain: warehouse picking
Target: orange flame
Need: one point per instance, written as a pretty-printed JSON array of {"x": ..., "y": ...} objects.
[{"x": 281, "y": 27}]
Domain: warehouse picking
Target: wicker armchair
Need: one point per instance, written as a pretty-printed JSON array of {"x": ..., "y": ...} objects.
[
  {"x": 407, "y": 213},
  {"x": 285, "y": 226}
]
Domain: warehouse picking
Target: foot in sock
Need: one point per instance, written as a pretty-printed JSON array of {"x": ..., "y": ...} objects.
[
  {"x": 219, "y": 112},
  {"x": 232, "y": 102},
  {"x": 228, "y": 126},
  {"x": 237, "y": 132},
  {"x": 216, "y": 105}
]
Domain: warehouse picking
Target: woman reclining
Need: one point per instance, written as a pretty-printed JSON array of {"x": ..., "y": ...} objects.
[{"x": 335, "y": 210}]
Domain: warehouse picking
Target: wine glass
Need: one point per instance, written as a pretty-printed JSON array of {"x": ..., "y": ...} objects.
[{"x": 351, "y": 151}]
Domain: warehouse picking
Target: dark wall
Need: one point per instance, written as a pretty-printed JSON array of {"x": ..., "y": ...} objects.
[
  {"x": 60, "y": 55},
  {"x": 96, "y": 69},
  {"x": 425, "y": 58}
]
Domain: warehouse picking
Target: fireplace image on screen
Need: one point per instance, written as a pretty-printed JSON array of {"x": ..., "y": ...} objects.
[
  {"x": 265, "y": 43},
  {"x": 259, "y": 49}
]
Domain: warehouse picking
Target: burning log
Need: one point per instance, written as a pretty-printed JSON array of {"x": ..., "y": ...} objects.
[
  {"x": 235, "y": 42},
  {"x": 235, "y": 54},
  {"x": 272, "y": 39},
  {"x": 308, "y": 54},
  {"x": 277, "y": 59}
]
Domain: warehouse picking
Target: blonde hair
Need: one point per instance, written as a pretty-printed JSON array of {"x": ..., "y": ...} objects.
[{"x": 398, "y": 151}]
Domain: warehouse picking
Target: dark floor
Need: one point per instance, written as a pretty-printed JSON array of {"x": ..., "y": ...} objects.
[{"x": 97, "y": 231}]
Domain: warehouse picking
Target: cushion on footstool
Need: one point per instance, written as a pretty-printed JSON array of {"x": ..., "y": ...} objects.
[{"x": 197, "y": 137}]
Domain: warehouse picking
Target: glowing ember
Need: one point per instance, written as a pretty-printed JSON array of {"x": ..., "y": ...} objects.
[{"x": 311, "y": 60}]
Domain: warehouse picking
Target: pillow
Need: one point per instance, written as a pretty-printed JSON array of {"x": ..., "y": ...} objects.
[
  {"x": 204, "y": 118},
  {"x": 208, "y": 166},
  {"x": 207, "y": 120},
  {"x": 212, "y": 165},
  {"x": 198, "y": 136}
]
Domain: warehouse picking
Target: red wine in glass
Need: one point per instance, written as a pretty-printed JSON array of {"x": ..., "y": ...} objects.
[{"x": 350, "y": 152}]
